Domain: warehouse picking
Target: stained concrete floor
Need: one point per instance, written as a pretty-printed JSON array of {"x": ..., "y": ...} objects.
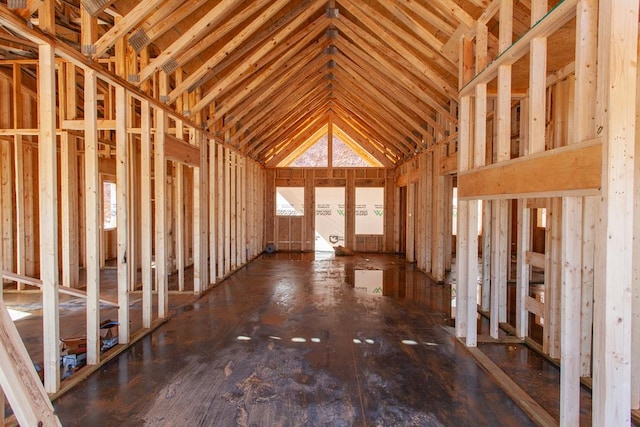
[{"x": 300, "y": 339}]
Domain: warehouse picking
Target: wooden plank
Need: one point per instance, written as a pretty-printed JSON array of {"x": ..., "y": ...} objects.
[
  {"x": 19, "y": 278},
  {"x": 93, "y": 216},
  {"x": 573, "y": 170},
  {"x": 534, "y": 306},
  {"x": 48, "y": 191},
  {"x": 146, "y": 212},
  {"x": 25, "y": 393},
  {"x": 179, "y": 151},
  {"x": 536, "y": 412},
  {"x": 463, "y": 329},
  {"x": 73, "y": 124},
  {"x": 617, "y": 38},
  {"x": 122, "y": 215}
]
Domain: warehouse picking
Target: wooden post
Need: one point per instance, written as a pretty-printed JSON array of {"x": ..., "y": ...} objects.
[
  {"x": 48, "y": 190},
  {"x": 145, "y": 211},
  {"x": 617, "y": 38},
  {"x": 93, "y": 216},
  {"x": 122, "y": 216}
]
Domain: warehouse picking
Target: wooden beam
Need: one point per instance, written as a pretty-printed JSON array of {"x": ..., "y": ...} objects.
[
  {"x": 394, "y": 63},
  {"x": 567, "y": 170},
  {"x": 179, "y": 151},
  {"x": 363, "y": 12},
  {"x": 248, "y": 64},
  {"x": 211, "y": 19},
  {"x": 237, "y": 40},
  {"x": 124, "y": 25}
]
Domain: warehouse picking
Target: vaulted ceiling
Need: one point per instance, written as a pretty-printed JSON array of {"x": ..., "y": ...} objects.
[{"x": 266, "y": 75}]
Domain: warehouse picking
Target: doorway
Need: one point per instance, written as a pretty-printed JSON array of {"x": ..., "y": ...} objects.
[{"x": 330, "y": 218}]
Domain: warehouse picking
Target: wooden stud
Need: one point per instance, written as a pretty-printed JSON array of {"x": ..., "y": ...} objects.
[
  {"x": 213, "y": 205},
  {"x": 21, "y": 256},
  {"x": 411, "y": 229},
  {"x": 6, "y": 188},
  {"x": 244, "y": 247},
  {"x": 48, "y": 191},
  {"x": 146, "y": 212},
  {"x": 617, "y": 38},
  {"x": 571, "y": 306},
  {"x": 160, "y": 188},
  {"x": 93, "y": 216},
  {"x": 221, "y": 209},
  {"x": 179, "y": 203},
  {"x": 227, "y": 211},
  {"x": 69, "y": 181},
  {"x": 463, "y": 329},
  {"x": 122, "y": 215}
]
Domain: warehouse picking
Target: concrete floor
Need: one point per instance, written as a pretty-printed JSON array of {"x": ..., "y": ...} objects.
[{"x": 300, "y": 339}]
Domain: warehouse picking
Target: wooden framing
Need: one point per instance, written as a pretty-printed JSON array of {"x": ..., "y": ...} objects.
[{"x": 529, "y": 127}]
